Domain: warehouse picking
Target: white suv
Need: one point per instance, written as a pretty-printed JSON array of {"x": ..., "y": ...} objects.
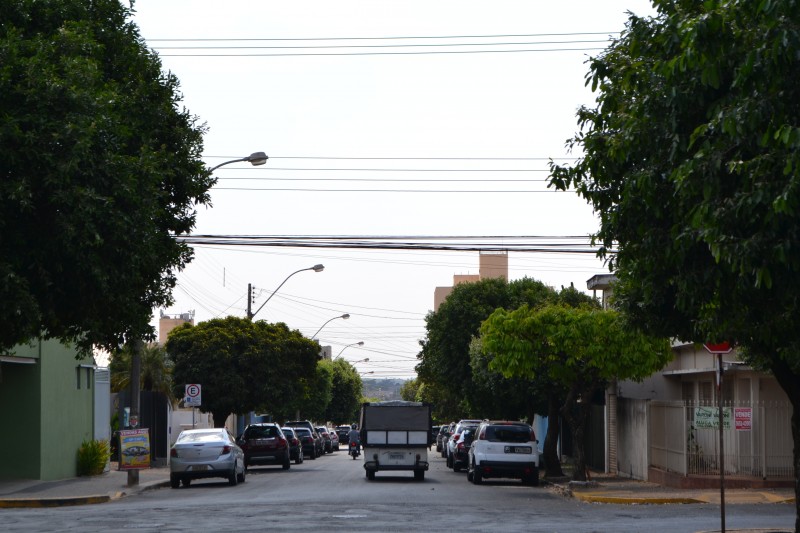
[{"x": 504, "y": 449}]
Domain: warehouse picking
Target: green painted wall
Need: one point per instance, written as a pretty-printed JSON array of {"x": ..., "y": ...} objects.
[
  {"x": 20, "y": 405},
  {"x": 44, "y": 415},
  {"x": 66, "y": 409}
]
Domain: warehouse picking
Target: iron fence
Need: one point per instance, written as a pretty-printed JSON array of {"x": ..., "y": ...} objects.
[{"x": 757, "y": 438}]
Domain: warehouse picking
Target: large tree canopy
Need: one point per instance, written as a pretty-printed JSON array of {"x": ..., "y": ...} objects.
[
  {"x": 346, "y": 394},
  {"x": 579, "y": 349},
  {"x": 99, "y": 171},
  {"x": 242, "y": 365},
  {"x": 692, "y": 162},
  {"x": 444, "y": 365}
]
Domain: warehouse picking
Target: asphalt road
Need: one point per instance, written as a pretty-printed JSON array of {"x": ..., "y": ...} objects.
[{"x": 333, "y": 494}]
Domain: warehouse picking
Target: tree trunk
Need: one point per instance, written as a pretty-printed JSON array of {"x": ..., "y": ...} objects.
[
  {"x": 552, "y": 463},
  {"x": 576, "y": 410},
  {"x": 219, "y": 418},
  {"x": 790, "y": 383}
]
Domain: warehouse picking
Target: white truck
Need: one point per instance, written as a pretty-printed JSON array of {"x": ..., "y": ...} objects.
[{"x": 395, "y": 436}]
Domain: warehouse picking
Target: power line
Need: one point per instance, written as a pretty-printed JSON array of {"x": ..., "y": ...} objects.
[{"x": 496, "y": 36}]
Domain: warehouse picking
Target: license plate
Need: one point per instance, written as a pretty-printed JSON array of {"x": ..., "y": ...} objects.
[
  {"x": 396, "y": 456},
  {"x": 199, "y": 467},
  {"x": 517, "y": 449}
]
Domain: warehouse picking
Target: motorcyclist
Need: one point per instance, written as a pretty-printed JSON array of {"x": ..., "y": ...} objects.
[{"x": 354, "y": 436}]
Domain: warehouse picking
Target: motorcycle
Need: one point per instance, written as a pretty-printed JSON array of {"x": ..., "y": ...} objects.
[{"x": 354, "y": 450}]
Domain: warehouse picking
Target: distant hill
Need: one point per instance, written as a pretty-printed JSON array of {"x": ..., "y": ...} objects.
[{"x": 382, "y": 389}]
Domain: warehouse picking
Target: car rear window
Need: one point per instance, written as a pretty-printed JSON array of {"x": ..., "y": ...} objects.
[
  {"x": 201, "y": 436},
  {"x": 288, "y": 432},
  {"x": 261, "y": 432},
  {"x": 508, "y": 434},
  {"x": 301, "y": 432}
]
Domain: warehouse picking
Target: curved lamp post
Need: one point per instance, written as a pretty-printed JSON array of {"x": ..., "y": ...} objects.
[
  {"x": 255, "y": 159},
  {"x": 315, "y": 268},
  {"x": 359, "y": 343},
  {"x": 344, "y": 316}
]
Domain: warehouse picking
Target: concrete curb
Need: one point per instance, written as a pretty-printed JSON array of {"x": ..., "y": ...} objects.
[
  {"x": 633, "y": 500},
  {"x": 16, "y": 503}
]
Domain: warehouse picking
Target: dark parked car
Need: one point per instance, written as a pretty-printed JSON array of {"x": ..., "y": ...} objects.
[
  {"x": 318, "y": 442},
  {"x": 295, "y": 448},
  {"x": 307, "y": 443},
  {"x": 460, "y": 457},
  {"x": 434, "y": 433},
  {"x": 344, "y": 434},
  {"x": 265, "y": 443},
  {"x": 326, "y": 439},
  {"x": 444, "y": 435}
]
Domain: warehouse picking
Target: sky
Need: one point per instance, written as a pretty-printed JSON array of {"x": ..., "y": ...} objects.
[{"x": 385, "y": 119}]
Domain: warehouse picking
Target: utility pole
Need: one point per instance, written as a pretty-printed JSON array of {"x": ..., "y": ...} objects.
[
  {"x": 249, "y": 301},
  {"x": 135, "y": 392}
]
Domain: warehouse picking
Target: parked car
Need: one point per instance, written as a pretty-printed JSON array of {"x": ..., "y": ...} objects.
[
  {"x": 205, "y": 453},
  {"x": 318, "y": 443},
  {"x": 326, "y": 439},
  {"x": 434, "y": 433},
  {"x": 295, "y": 447},
  {"x": 460, "y": 457},
  {"x": 307, "y": 442},
  {"x": 265, "y": 443},
  {"x": 504, "y": 450},
  {"x": 451, "y": 441},
  {"x": 334, "y": 439},
  {"x": 447, "y": 433},
  {"x": 441, "y": 437},
  {"x": 344, "y": 434}
]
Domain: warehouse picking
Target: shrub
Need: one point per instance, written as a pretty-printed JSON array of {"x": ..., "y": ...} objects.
[{"x": 92, "y": 457}]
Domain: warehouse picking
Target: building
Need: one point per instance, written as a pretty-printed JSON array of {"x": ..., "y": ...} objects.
[
  {"x": 665, "y": 429},
  {"x": 50, "y": 403},
  {"x": 491, "y": 265}
]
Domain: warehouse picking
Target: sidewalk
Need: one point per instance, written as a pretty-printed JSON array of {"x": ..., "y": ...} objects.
[
  {"x": 618, "y": 490},
  {"x": 109, "y": 486}
]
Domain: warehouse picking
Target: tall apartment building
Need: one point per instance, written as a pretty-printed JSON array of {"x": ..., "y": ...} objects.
[{"x": 491, "y": 265}]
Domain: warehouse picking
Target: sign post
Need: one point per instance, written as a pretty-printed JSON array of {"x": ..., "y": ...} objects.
[
  {"x": 719, "y": 350},
  {"x": 192, "y": 397}
]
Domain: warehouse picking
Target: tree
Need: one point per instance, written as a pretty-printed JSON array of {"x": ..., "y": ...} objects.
[
  {"x": 315, "y": 395},
  {"x": 345, "y": 394},
  {"x": 156, "y": 370},
  {"x": 444, "y": 365},
  {"x": 242, "y": 365},
  {"x": 691, "y": 162},
  {"x": 409, "y": 390},
  {"x": 103, "y": 167},
  {"x": 580, "y": 349}
]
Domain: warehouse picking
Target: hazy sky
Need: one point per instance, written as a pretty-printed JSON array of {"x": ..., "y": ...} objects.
[{"x": 401, "y": 118}]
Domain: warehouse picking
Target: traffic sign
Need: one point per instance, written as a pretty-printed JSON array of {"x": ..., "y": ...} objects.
[
  {"x": 192, "y": 398},
  {"x": 719, "y": 348}
]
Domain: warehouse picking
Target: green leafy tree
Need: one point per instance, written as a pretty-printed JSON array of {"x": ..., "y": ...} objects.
[
  {"x": 316, "y": 393},
  {"x": 242, "y": 365},
  {"x": 345, "y": 394},
  {"x": 410, "y": 389},
  {"x": 691, "y": 161},
  {"x": 155, "y": 372},
  {"x": 101, "y": 164},
  {"x": 580, "y": 349},
  {"x": 444, "y": 365}
]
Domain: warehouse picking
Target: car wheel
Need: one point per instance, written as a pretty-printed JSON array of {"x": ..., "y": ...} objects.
[
  {"x": 371, "y": 475},
  {"x": 419, "y": 475},
  {"x": 186, "y": 482},
  {"x": 174, "y": 481},
  {"x": 312, "y": 455},
  {"x": 287, "y": 462},
  {"x": 477, "y": 477},
  {"x": 299, "y": 459},
  {"x": 456, "y": 466},
  {"x": 469, "y": 475},
  {"x": 439, "y": 448},
  {"x": 449, "y": 461},
  {"x": 533, "y": 479},
  {"x": 233, "y": 477},
  {"x": 241, "y": 477}
]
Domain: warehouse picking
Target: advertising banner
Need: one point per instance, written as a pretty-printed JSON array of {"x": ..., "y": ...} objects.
[
  {"x": 134, "y": 449},
  {"x": 708, "y": 417},
  {"x": 743, "y": 418}
]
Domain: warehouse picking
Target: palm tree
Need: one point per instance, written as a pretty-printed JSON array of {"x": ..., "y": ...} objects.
[{"x": 156, "y": 370}]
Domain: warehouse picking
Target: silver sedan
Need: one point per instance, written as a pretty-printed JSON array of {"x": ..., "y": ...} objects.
[{"x": 204, "y": 453}]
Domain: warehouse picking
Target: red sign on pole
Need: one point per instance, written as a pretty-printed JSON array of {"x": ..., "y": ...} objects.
[{"x": 720, "y": 348}]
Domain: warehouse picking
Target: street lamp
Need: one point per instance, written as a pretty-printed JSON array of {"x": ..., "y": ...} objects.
[
  {"x": 255, "y": 159},
  {"x": 359, "y": 343},
  {"x": 344, "y": 316},
  {"x": 315, "y": 268},
  {"x": 361, "y": 361}
]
